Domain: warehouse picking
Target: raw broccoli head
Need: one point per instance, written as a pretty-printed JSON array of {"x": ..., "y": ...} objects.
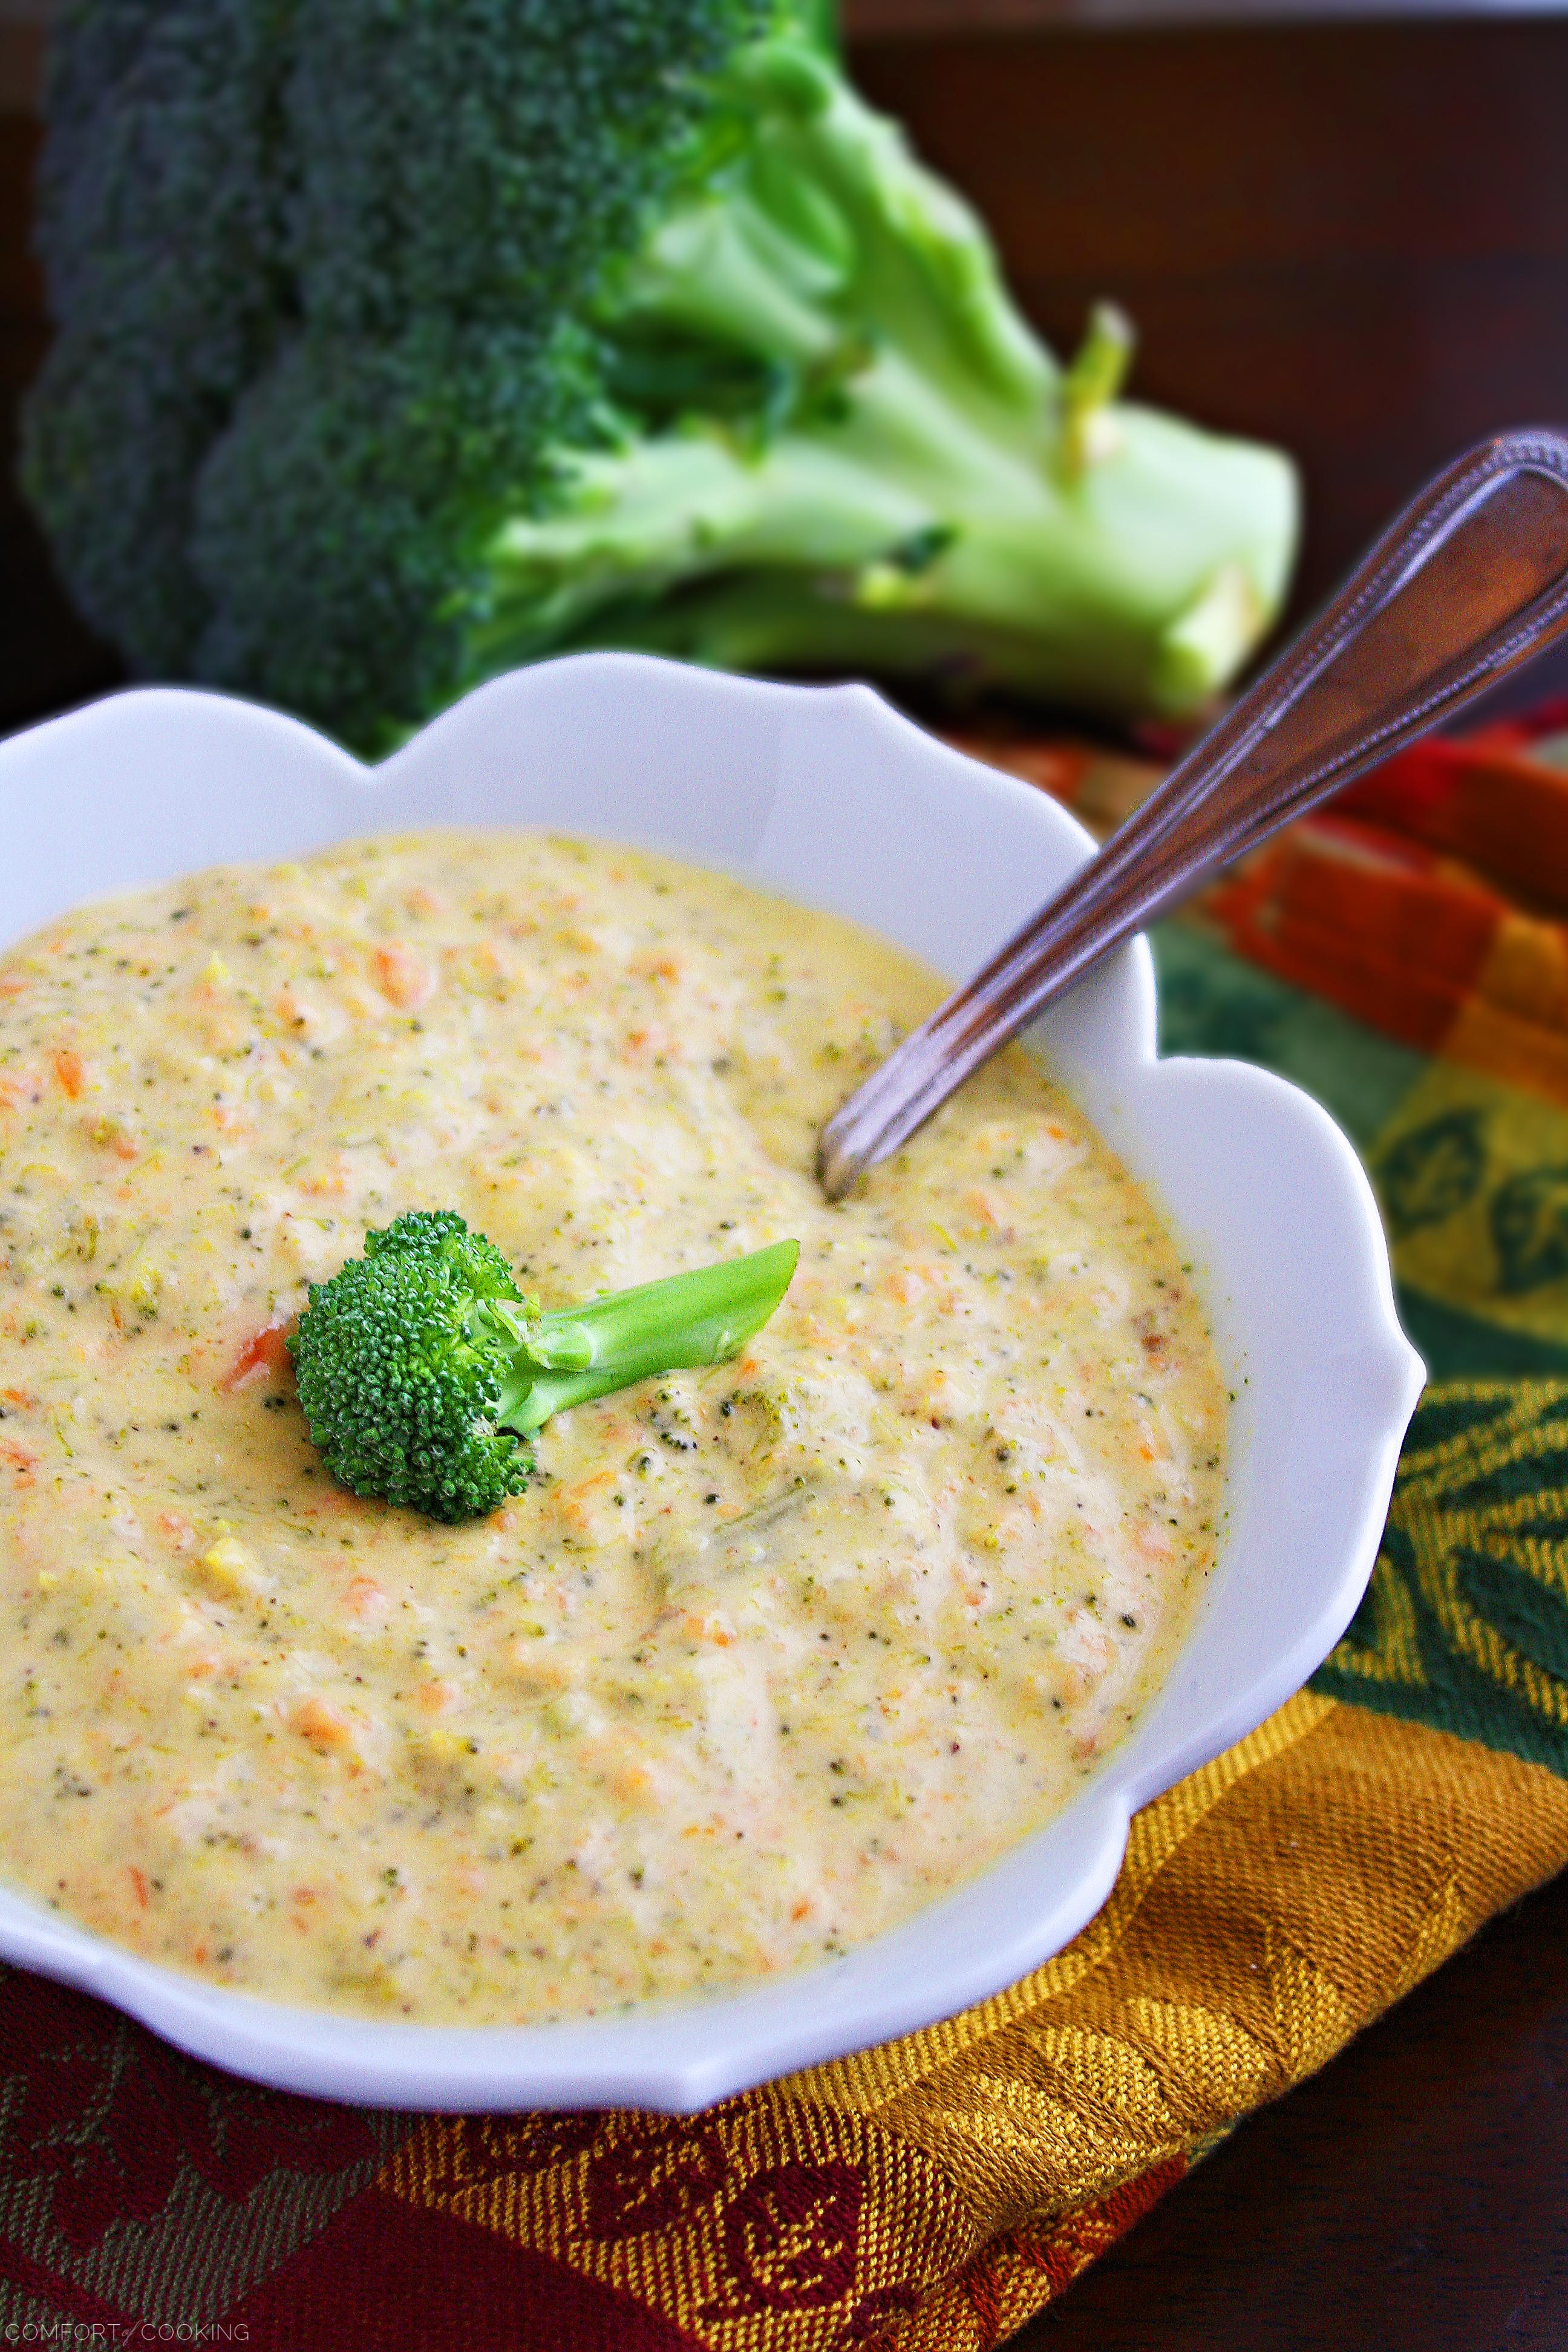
[
  {"x": 398, "y": 344},
  {"x": 316, "y": 266},
  {"x": 401, "y": 1371},
  {"x": 421, "y": 1364}
]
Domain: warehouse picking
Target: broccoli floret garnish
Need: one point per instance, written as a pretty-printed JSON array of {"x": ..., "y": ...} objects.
[
  {"x": 421, "y": 1364},
  {"x": 399, "y": 344}
]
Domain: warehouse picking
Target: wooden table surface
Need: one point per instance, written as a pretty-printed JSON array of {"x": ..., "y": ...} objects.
[{"x": 1352, "y": 238}]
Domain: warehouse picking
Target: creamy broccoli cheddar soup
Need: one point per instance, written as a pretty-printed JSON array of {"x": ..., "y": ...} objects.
[{"x": 768, "y": 1656}]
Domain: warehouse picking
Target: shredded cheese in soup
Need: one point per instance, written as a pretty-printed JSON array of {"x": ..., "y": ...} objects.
[{"x": 769, "y": 1656}]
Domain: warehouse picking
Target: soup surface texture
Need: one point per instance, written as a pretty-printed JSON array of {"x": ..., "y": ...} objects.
[{"x": 768, "y": 1656}]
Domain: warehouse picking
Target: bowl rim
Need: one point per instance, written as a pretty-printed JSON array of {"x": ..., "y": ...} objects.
[{"x": 989, "y": 1931}]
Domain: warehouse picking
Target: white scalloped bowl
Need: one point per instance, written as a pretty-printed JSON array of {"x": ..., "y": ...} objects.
[{"x": 826, "y": 796}]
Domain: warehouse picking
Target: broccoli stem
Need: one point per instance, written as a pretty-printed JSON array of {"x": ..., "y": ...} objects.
[
  {"x": 1109, "y": 588},
  {"x": 681, "y": 1322},
  {"x": 920, "y": 490},
  {"x": 1098, "y": 373}
]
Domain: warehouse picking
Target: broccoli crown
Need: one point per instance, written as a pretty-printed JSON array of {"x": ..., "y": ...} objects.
[
  {"x": 316, "y": 266},
  {"x": 401, "y": 1373}
]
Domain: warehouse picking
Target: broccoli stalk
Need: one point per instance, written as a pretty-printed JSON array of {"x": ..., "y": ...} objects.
[
  {"x": 420, "y": 1364},
  {"x": 398, "y": 346},
  {"x": 905, "y": 482},
  {"x": 682, "y": 1321}
]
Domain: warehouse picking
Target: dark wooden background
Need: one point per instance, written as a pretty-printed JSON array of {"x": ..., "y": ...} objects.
[{"x": 1351, "y": 237}]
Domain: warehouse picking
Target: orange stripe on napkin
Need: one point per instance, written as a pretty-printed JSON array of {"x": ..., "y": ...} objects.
[
  {"x": 1380, "y": 925},
  {"x": 1483, "y": 798}
]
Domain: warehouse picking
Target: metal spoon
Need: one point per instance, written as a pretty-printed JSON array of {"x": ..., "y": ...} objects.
[{"x": 1468, "y": 582}]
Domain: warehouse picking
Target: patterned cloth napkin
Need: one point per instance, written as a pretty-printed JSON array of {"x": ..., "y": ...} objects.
[{"x": 1406, "y": 959}]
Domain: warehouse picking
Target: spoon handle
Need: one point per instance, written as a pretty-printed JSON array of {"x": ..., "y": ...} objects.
[{"x": 1468, "y": 582}]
